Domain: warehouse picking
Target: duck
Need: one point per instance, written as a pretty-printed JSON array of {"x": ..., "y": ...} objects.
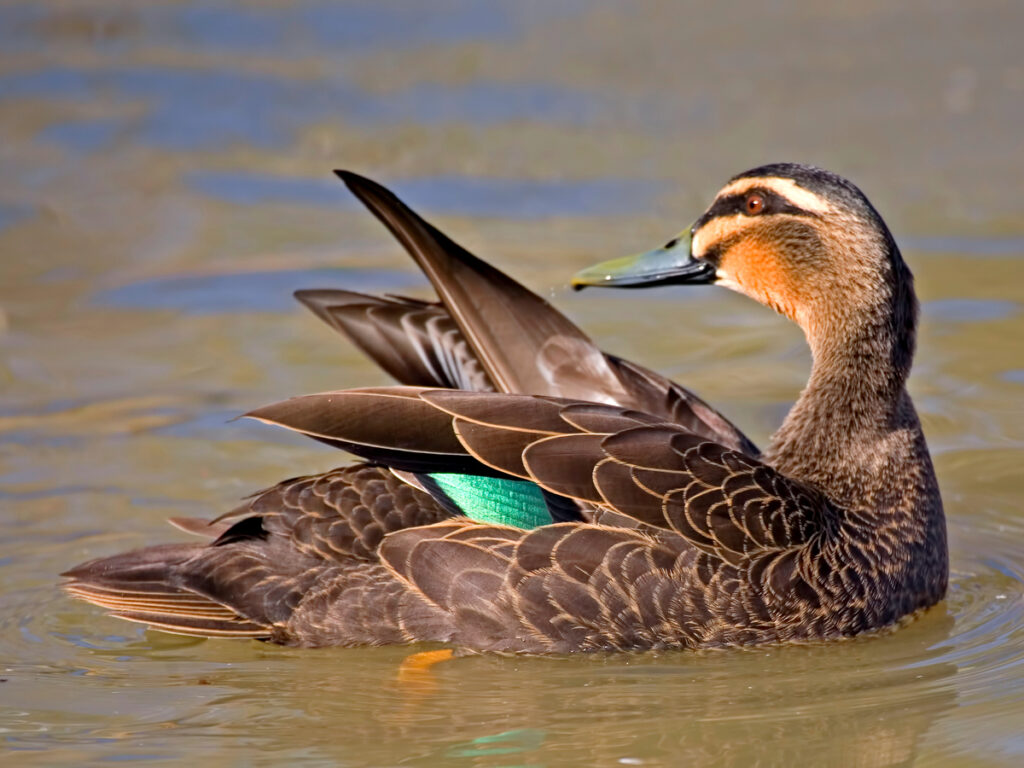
[{"x": 521, "y": 491}]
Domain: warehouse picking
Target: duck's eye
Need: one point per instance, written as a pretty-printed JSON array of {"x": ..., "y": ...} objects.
[{"x": 754, "y": 204}]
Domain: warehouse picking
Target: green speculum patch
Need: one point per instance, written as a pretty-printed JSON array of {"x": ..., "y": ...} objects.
[{"x": 496, "y": 499}]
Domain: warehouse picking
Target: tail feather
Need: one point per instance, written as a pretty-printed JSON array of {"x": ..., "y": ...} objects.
[
  {"x": 138, "y": 565},
  {"x": 170, "y": 603},
  {"x": 196, "y": 626},
  {"x": 141, "y": 586}
]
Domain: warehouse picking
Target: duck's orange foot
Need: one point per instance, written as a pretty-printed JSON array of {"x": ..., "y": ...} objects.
[
  {"x": 415, "y": 669},
  {"x": 415, "y": 681}
]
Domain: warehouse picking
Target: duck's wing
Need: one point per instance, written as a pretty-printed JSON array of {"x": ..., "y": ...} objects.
[
  {"x": 491, "y": 333},
  {"x": 523, "y": 343},
  {"x": 416, "y": 342},
  {"x": 655, "y": 394},
  {"x": 721, "y": 501},
  {"x": 702, "y": 545}
]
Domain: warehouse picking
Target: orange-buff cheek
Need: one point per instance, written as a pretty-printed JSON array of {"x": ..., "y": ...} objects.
[{"x": 755, "y": 268}]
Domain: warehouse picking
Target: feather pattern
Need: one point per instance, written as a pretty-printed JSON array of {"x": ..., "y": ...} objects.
[
  {"x": 414, "y": 341},
  {"x": 720, "y": 501}
]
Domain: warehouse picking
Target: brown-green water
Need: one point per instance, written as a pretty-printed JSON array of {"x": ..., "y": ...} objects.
[{"x": 164, "y": 185}]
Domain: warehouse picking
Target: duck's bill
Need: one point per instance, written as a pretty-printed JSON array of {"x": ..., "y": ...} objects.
[{"x": 669, "y": 265}]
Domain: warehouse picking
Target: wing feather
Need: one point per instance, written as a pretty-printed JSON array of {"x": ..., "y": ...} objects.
[
  {"x": 489, "y": 332},
  {"x": 723, "y": 502}
]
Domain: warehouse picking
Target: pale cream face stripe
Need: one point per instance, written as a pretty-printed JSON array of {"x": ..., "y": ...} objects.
[
  {"x": 717, "y": 230},
  {"x": 787, "y": 188}
]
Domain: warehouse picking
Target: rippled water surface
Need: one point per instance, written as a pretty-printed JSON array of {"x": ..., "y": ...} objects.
[{"x": 166, "y": 185}]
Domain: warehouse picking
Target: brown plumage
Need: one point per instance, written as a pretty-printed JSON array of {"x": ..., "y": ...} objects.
[{"x": 676, "y": 532}]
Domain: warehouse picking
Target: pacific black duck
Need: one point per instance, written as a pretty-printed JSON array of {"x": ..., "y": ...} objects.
[{"x": 526, "y": 492}]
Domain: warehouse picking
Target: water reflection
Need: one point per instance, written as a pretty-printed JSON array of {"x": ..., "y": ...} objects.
[
  {"x": 205, "y": 109},
  {"x": 460, "y": 195},
  {"x": 325, "y": 28},
  {"x": 978, "y": 246},
  {"x": 12, "y": 214},
  {"x": 857, "y": 704},
  {"x": 969, "y": 310},
  {"x": 246, "y": 291}
]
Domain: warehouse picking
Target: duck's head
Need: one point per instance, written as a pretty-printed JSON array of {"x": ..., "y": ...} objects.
[{"x": 801, "y": 240}]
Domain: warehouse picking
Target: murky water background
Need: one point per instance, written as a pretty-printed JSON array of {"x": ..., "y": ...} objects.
[{"x": 165, "y": 185}]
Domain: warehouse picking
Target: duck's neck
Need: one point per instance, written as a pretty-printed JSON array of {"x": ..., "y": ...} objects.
[
  {"x": 854, "y": 422},
  {"x": 855, "y": 435}
]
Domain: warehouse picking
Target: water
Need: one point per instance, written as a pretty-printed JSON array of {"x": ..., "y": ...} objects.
[{"x": 166, "y": 184}]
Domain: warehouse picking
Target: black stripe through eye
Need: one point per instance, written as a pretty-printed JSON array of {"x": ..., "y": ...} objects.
[{"x": 733, "y": 204}]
